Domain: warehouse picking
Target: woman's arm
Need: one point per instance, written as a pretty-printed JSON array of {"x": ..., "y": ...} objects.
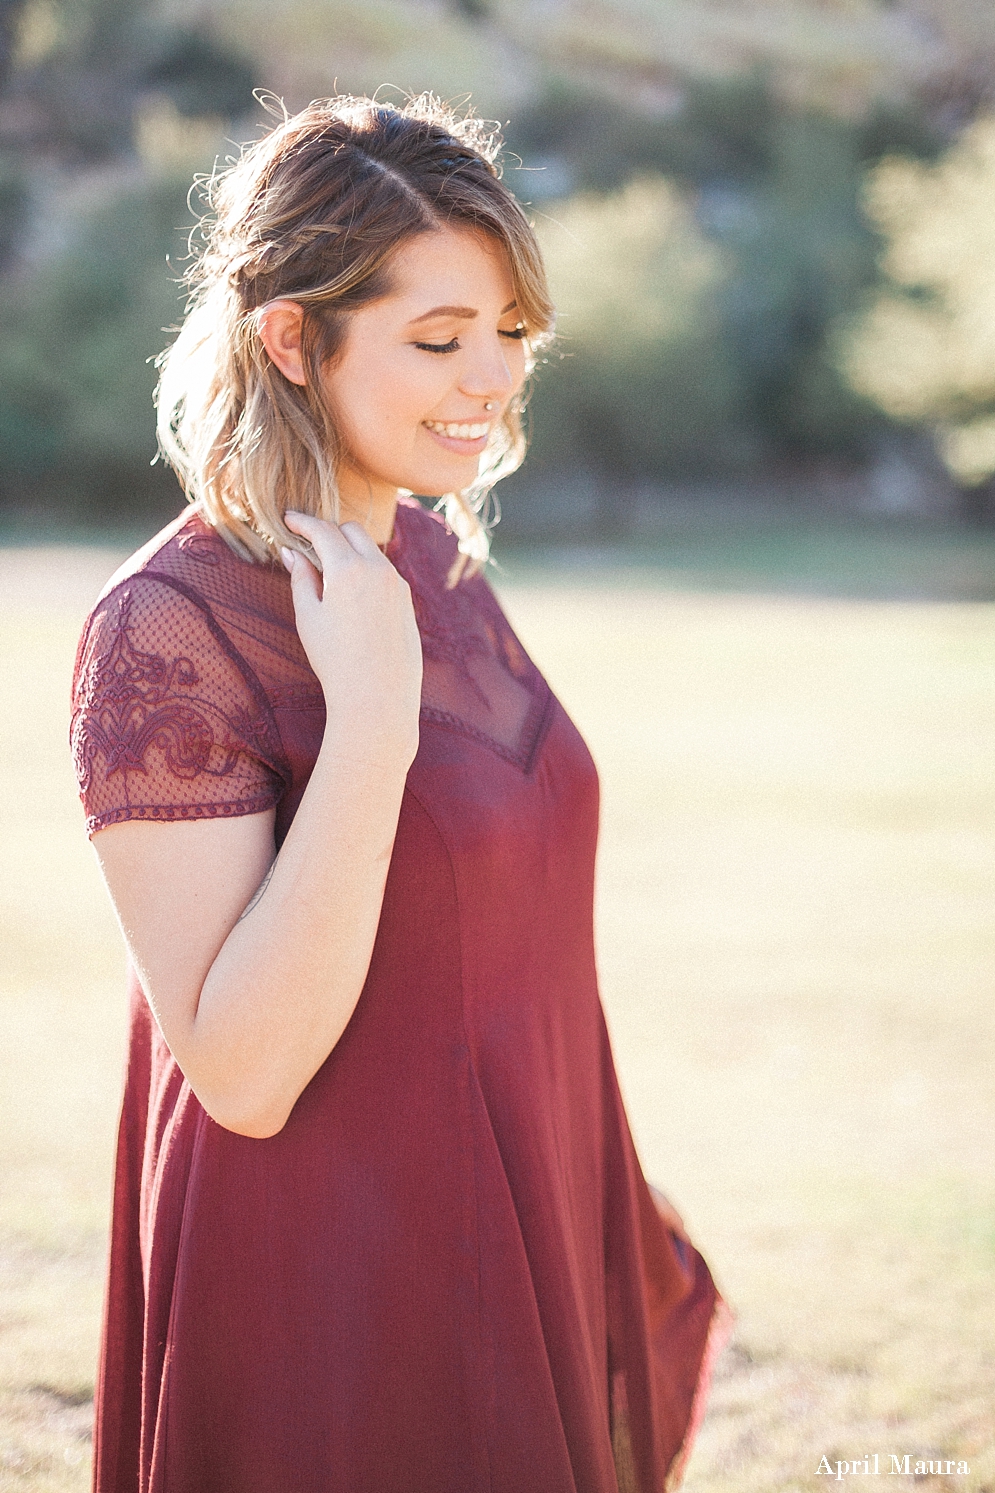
[{"x": 253, "y": 965}]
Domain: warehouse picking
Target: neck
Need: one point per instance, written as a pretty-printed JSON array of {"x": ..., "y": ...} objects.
[{"x": 363, "y": 501}]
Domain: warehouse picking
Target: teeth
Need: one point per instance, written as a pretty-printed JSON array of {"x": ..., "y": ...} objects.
[{"x": 459, "y": 432}]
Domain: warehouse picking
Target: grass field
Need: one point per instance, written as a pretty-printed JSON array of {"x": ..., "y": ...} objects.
[{"x": 798, "y": 959}]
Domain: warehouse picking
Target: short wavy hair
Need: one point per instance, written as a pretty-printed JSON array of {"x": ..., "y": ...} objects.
[{"x": 314, "y": 212}]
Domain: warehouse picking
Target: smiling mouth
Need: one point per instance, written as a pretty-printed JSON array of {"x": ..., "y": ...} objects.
[{"x": 454, "y": 432}]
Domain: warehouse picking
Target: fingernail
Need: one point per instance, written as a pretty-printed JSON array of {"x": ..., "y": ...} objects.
[{"x": 287, "y": 556}]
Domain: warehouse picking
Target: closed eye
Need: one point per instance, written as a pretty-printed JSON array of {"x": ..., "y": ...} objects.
[{"x": 453, "y": 346}]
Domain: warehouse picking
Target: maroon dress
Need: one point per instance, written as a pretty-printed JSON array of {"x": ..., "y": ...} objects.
[{"x": 446, "y": 1273}]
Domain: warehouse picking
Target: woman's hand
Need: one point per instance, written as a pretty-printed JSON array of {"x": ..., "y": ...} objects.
[{"x": 357, "y": 625}]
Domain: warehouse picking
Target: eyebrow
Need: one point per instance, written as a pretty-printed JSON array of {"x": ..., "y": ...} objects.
[{"x": 464, "y": 313}]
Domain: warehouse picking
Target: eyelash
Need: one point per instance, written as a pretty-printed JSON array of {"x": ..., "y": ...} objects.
[{"x": 451, "y": 347}]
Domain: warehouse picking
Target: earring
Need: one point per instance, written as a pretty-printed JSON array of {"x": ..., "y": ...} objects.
[{"x": 489, "y": 405}]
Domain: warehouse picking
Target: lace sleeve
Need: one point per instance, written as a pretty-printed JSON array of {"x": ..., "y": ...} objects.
[{"x": 168, "y": 721}]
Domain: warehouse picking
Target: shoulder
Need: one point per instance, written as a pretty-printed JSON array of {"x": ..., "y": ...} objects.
[
  {"x": 150, "y": 598},
  {"x": 169, "y": 719},
  {"x": 188, "y": 571},
  {"x": 163, "y": 624},
  {"x": 189, "y": 554}
]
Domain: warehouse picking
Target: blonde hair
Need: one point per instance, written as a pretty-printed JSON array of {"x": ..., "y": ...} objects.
[{"x": 314, "y": 212}]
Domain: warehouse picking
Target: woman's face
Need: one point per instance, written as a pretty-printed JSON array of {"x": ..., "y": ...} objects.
[{"x": 411, "y": 386}]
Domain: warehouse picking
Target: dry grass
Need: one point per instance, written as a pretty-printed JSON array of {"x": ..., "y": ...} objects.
[{"x": 797, "y": 954}]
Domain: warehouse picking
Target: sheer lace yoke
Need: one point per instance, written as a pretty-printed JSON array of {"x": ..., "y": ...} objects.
[
  {"x": 477, "y": 677},
  {"x": 193, "y": 696}
]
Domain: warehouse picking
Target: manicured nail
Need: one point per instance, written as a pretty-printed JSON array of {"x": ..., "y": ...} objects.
[{"x": 287, "y": 556}]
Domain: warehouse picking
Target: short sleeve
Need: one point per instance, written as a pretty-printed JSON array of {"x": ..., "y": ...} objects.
[{"x": 168, "y": 720}]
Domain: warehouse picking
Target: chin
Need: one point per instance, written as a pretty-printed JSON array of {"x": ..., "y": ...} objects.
[{"x": 438, "y": 485}]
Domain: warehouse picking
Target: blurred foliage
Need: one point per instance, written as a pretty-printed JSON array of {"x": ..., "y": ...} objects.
[
  {"x": 85, "y": 64},
  {"x": 108, "y": 113},
  {"x": 638, "y": 383},
  {"x": 705, "y": 229},
  {"x": 75, "y": 381},
  {"x": 14, "y": 205},
  {"x": 925, "y": 349},
  {"x": 748, "y": 375}
]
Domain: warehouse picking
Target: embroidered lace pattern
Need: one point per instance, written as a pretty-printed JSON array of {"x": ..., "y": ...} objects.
[
  {"x": 193, "y": 697},
  {"x": 166, "y": 724}
]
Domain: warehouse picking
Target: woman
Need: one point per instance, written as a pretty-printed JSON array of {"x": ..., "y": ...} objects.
[{"x": 378, "y": 1221}]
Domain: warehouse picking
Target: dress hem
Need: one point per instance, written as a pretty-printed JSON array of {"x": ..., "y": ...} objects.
[{"x": 719, "y": 1333}]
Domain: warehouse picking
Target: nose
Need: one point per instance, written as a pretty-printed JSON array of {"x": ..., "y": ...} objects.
[{"x": 491, "y": 374}]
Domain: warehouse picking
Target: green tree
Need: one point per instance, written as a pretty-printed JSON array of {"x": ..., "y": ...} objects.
[
  {"x": 777, "y": 189},
  {"x": 924, "y": 350},
  {"x": 120, "y": 109}
]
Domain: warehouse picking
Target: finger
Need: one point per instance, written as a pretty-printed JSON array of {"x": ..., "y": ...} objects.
[
  {"x": 325, "y": 539},
  {"x": 305, "y": 547},
  {"x": 305, "y": 580}
]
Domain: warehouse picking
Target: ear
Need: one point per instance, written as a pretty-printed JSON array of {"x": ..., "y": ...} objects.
[{"x": 280, "y": 324}]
